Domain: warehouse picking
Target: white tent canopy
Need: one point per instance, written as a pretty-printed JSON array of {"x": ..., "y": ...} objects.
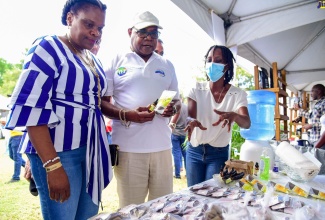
[{"x": 289, "y": 32}]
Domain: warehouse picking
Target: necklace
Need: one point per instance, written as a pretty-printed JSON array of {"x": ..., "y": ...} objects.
[
  {"x": 220, "y": 93},
  {"x": 90, "y": 63}
]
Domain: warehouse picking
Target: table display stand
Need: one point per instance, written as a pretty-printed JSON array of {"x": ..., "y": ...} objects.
[{"x": 294, "y": 113}]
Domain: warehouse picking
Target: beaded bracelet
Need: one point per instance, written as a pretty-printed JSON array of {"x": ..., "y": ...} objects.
[
  {"x": 123, "y": 119},
  {"x": 126, "y": 123},
  {"x": 53, "y": 167},
  {"x": 49, "y": 161}
]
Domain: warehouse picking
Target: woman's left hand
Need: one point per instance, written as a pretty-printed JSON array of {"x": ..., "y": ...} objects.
[{"x": 226, "y": 118}]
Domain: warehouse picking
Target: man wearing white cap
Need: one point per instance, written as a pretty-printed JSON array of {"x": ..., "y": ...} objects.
[{"x": 136, "y": 79}]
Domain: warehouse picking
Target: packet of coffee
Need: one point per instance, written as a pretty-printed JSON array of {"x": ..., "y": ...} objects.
[
  {"x": 280, "y": 188},
  {"x": 317, "y": 194},
  {"x": 165, "y": 98},
  {"x": 296, "y": 190}
]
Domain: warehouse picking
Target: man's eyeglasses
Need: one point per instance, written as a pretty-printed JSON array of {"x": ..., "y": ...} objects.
[{"x": 142, "y": 33}]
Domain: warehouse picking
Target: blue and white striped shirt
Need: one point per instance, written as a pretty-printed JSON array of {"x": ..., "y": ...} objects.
[{"x": 57, "y": 89}]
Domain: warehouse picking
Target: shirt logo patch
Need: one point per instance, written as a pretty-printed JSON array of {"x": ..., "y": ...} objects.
[
  {"x": 160, "y": 72},
  {"x": 121, "y": 71}
]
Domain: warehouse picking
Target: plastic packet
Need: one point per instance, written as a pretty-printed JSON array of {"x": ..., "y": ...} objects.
[
  {"x": 133, "y": 211},
  {"x": 279, "y": 187},
  {"x": 258, "y": 185},
  {"x": 214, "y": 211},
  {"x": 317, "y": 194},
  {"x": 165, "y": 98},
  {"x": 199, "y": 186},
  {"x": 236, "y": 210},
  {"x": 245, "y": 185},
  {"x": 296, "y": 190}
]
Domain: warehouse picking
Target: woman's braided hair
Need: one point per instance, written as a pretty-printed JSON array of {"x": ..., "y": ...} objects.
[
  {"x": 228, "y": 57},
  {"x": 75, "y": 5}
]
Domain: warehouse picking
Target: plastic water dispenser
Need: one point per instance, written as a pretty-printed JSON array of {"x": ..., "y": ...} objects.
[{"x": 261, "y": 111}]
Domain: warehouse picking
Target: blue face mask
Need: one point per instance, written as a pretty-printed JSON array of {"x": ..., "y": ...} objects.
[{"x": 214, "y": 71}]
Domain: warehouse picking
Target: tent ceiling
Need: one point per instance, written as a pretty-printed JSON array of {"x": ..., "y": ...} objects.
[{"x": 289, "y": 32}]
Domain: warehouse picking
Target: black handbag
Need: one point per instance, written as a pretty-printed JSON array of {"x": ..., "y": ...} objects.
[{"x": 114, "y": 150}]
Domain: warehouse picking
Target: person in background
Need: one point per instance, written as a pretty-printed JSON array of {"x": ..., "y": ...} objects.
[
  {"x": 314, "y": 125},
  {"x": 96, "y": 47},
  {"x": 160, "y": 48},
  {"x": 321, "y": 141},
  {"x": 13, "y": 145},
  {"x": 58, "y": 99},
  {"x": 213, "y": 107},
  {"x": 178, "y": 137},
  {"x": 177, "y": 124},
  {"x": 137, "y": 79}
]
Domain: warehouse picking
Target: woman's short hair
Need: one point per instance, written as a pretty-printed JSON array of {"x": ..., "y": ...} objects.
[
  {"x": 75, "y": 5},
  {"x": 228, "y": 57}
]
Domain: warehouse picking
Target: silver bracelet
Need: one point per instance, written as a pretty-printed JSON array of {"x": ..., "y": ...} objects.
[{"x": 49, "y": 161}]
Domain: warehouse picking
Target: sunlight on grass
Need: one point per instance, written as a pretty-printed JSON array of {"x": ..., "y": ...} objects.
[{"x": 17, "y": 203}]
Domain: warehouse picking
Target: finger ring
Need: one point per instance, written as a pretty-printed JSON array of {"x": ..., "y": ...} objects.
[{"x": 227, "y": 121}]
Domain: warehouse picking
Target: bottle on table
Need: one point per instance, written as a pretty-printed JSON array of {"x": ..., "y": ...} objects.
[
  {"x": 257, "y": 167},
  {"x": 265, "y": 166}
]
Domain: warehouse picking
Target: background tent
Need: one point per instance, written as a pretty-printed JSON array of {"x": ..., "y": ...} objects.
[{"x": 289, "y": 32}]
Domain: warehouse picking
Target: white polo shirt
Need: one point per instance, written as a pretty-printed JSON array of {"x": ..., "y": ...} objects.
[
  {"x": 215, "y": 136},
  {"x": 134, "y": 83}
]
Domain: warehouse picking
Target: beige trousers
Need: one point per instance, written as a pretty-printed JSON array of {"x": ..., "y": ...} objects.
[{"x": 141, "y": 173}]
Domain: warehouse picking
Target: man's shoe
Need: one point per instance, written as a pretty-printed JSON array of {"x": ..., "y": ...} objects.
[
  {"x": 177, "y": 177},
  {"x": 12, "y": 181}
]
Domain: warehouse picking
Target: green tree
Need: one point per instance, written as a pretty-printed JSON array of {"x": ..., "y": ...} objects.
[
  {"x": 4, "y": 66},
  {"x": 243, "y": 79},
  {"x": 9, "y": 76}
]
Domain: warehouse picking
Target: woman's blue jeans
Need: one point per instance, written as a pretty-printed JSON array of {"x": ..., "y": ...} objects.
[
  {"x": 15, "y": 156},
  {"x": 178, "y": 152},
  {"x": 203, "y": 161},
  {"x": 79, "y": 205}
]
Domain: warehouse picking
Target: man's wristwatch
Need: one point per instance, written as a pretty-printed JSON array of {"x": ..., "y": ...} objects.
[{"x": 174, "y": 110}]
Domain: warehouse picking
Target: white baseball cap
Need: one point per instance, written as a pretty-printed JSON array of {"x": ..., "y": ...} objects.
[{"x": 145, "y": 19}]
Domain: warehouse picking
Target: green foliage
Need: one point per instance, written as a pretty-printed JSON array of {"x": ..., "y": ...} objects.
[
  {"x": 4, "y": 66},
  {"x": 9, "y": 74},
  {"x": 244, "y": 80},
  {"x": 236, "y": 140}
]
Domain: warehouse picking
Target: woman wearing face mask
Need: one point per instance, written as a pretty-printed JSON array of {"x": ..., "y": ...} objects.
[{"x": 213, "y": 107}]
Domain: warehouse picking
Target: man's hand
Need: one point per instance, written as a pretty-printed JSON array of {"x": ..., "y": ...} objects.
[
  {"x": 307, "y": 126},
  {"x": 28, "y": 173},
  {"x": 140, "y": 115}
]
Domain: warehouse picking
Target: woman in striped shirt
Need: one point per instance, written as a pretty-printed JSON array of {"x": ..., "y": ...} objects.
[{"x": 58, "y": 98}]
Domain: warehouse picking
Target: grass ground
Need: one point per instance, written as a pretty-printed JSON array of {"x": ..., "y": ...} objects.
[{"x": 16, "y": 203}]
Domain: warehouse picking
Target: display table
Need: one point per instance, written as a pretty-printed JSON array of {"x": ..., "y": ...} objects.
[{"x": 317, "y": 183}]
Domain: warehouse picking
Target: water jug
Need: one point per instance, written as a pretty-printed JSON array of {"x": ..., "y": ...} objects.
[{"x": 261, "y": 111}]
